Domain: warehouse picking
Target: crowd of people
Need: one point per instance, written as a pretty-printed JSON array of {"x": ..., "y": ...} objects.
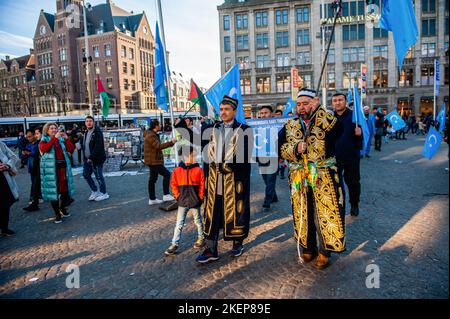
[{"x": 320, "y": 151}]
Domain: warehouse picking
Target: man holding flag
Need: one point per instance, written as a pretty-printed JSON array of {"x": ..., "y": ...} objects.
[
  {"x": 348, "y": 148},
  {"x": 316, "y": 190}
]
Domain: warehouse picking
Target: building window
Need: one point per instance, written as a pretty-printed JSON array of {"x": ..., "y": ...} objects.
[
  {"x": 64, "y": 71},
  {"x": 226, "y": 44},
  {"x": 261, "y": 19},
  {"x": 282, "y": 39},
  {"x": 96, "y": 51},
  {"x": 245, "y": 86},
  {"x": 109, "y": 83},
  {"x": 131, "y": 54},
  {"x": 331, "y": 80},
  {"x": 331, "y": 56},
  {"x": 133, "y": 85},
  {"x": 283, "y": 83},
  {"x": 242, "y": 42},
  {"x": 428, "y": 27},
  {"x": 306, "y": 80},
  {"x": 244, "y": 63},
  {"x": 241, "y": 21},
  {"x": 125, "y": 84},
  {"x": 132, "y": 69},
  {"x": 427, "y": 75},
  {"x": 348, "y": 76},
  {"x": 124, "y": 51},
  {"x": 226, "y": 23},
  {"x": 227, "y": 64},
  {"x": 380, "y": 33},
  {"x": 353, "y": 54},
  {"x": 302, "y": 14},
  {"x": 428, "y": 6},
  {"x": 97, "y": 67},
  {"x": 262, "y": 40},
  {"x": 353, "y": 32},
  {"x": 282, "y": 16},
  {"x": 283, "y": 60},
  {"x": 302, "y": 36},
  {"x": 62, "y": 55},
  {"x": 108, "y": 66},
  {"x": 380, "y": 78},
  {"x": 428, "y": 49},
  {"x": 303, "y": 58},
  {"x": 262, "y": 61},
  {"x": 406, "y": 78},
  {"x": 263, "y": 85},
  {"x": 107, "y": 49},
  {"x": 124, "y": 67}
]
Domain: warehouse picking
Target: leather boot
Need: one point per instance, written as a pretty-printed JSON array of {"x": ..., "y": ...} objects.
[{"x": 322, "y": 261}]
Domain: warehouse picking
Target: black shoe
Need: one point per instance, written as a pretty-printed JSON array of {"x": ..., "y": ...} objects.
[
  {"x": 361, "y": 156},
  {"x": 275, "y": 200},
  {"x": 282, "y": 177},
  {"x": 354, "y": 211},
  {"x": 64, "y": 213},
  {"x": 172, "y": 250},
  {"x": 58, "y": 219},
  {"x": 237, "y": 250},
  {"x": 8, "y": 233},
  {"x": 31, "y": 208},
  {"x": 367, "y": 156},
  {"x": 266, "y": 206}
]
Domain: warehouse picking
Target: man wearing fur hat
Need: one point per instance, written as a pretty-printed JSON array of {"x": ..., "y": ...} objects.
[{"x": 316, "y": 190}]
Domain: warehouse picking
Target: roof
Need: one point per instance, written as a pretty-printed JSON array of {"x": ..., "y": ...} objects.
[
  {"x": 22, "y": 61},
  {"x": 50, "y": 19},
  {"x": 245, "y": 3},
  {"x": 113, "y": 18}
]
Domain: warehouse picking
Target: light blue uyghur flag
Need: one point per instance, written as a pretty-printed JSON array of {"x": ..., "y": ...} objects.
[
  {"x": 160, "y": 73},
  {"x": 396, "y": 120},
  {"x": 229, "y": 84},
  {"x": 398, "y": 16},
  {"x": 440, "y": 118},
  {"x": 432, "y": 143},
  {"x": 358, "y": 117},
  {"x": 349, "y": 93},
  {"x": 290, "y": 106}
]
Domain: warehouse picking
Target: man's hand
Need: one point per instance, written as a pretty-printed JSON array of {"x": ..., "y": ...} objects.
[
  {"x": 358, "y": 131},
  {"x": 301, "y": 147},
  {"x": 178, "y": 120},
  {"x": 4, "y": 167}
]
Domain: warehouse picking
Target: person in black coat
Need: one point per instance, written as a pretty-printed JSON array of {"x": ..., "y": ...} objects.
[
  {"x": 348, "y": 148},
  {"x": 94, "y": 156}
]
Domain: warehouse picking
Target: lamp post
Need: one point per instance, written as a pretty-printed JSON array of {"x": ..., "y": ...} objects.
[{"x": 87, "y": 57}]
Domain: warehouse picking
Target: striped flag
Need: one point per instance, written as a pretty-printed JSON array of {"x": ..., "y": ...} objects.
[{"x": 104, "y": 99}]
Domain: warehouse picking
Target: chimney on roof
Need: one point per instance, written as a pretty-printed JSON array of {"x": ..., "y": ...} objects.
[
  {"x": 31, "y": 50},
  {"x": 6, "y": 57}
]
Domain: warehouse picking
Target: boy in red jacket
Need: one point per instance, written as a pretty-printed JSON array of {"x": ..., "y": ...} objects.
[{"x": 188, "y": 188}]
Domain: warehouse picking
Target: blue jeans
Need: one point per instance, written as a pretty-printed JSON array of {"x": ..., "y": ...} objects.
[
  {"x": 270, "y": 181},
  {"x": 181, "y": 218},
  {"x": 88, "y": 169}
]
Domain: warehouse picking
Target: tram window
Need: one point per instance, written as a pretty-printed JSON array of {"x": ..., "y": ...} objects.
[{"x": 10, "y": 130}]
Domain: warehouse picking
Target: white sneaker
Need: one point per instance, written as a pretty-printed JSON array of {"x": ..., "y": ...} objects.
[
  {"x": 168, "y": 198},
  {"x": 102, "y": 197},
  {"x": 94, "y": 195},
  {"x": 154, "y": 201}
]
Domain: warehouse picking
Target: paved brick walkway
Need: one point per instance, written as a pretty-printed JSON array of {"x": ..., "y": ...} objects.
[{"x": 119, "y": 244}]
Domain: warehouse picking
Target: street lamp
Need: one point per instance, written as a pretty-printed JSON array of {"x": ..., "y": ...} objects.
[{"x": 87, "y": 57}]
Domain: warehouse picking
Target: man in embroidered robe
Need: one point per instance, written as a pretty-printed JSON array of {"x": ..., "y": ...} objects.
[
  {"x": 227, "y": 187},
  {"x": 316, "y": 190}
]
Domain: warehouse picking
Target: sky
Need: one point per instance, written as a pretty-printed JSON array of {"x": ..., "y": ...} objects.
[{"x": 191, "y": 29}]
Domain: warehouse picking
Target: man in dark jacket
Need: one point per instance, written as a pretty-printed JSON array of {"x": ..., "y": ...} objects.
[
  {"x": 153, "y": 157},
  {"x": 94, "y": 156},
  {"x": 32, "y": 150},
  {"x": 348, "y": 147}
]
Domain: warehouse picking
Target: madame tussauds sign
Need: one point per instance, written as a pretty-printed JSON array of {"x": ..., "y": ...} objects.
[{"x": 350, "y": 19}]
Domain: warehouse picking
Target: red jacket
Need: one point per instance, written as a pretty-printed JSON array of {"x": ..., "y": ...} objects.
[{"x": 188, "y": 185}]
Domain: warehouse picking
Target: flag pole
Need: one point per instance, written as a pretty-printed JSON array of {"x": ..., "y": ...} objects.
[
  {"x": 434, "y": 93},
  {"x": 169, "y": 89}
]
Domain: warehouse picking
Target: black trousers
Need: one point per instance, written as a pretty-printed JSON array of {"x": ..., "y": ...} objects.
[
  {"x": 378, "y": 139},
  {"x": 218, "y": 224},
  {"x": 349, "y": 172},
  {"x": 4, "y": 217},
  {"x": 35, "y": 191},
  {"x": 61, "y": 204},
  {"x": 156, "y": 170}
]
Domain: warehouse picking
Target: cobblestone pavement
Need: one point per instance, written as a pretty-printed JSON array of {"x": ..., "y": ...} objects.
[{"x": 119, "y": 243}]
